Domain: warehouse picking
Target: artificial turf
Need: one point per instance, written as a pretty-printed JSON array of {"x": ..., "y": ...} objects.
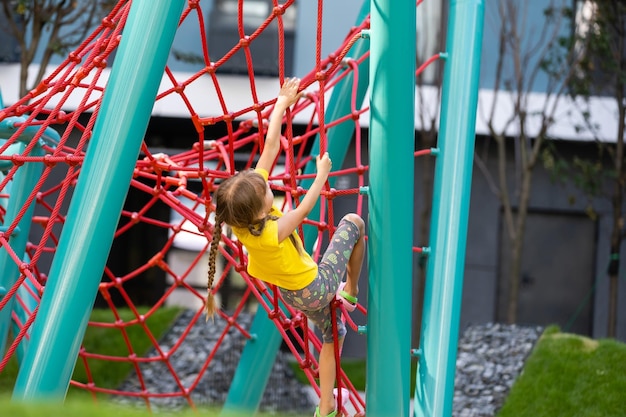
[{"x": 571, "y": 376}]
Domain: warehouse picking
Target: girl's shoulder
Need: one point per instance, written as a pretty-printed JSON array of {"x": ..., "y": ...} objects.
[
  {"x": 263, "y": 173},
  {"x": 275, "y": 211},
  {"x": 240, "y": 232}
]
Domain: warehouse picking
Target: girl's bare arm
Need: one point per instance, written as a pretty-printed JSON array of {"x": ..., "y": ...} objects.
[
  {"x": 287, "y": 96},
  {"x": 292, "y": 219}
]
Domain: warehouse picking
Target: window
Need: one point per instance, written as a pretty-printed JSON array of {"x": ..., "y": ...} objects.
[
  {"x": 224, "y": 35},
  {"x": 9, "y": 50}
]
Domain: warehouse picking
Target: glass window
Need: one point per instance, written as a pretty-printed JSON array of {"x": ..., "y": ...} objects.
[
  {"x": 224, "y": 36},
  {"x": 254, "y": 12},
  {"x": 9, "y": 50},
  {"x": 523, "y": 31}
]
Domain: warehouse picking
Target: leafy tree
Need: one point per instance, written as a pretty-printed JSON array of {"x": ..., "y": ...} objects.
[
  {"x": 602, "y": 72},
  {"x": 44, "y": 28}
]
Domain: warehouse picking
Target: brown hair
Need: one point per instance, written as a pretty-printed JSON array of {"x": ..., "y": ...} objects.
[{"x": 238, "y": 202}]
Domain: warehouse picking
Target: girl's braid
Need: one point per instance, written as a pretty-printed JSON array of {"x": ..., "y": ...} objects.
[{"x": 210, "y": 306}]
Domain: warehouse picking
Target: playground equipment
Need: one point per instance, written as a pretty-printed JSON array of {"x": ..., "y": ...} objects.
[{"x": 104, "y": 157}]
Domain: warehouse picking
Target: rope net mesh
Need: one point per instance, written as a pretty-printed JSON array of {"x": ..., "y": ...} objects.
[{"x": 173, "y": 187}]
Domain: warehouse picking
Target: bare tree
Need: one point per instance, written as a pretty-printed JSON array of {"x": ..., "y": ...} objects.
[
  {"x": 44, "y": 28},
  {"x": 532, "y": 55}
]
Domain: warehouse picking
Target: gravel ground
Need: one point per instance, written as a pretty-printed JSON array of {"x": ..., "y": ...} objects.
[{"x": 490, "y": 358}]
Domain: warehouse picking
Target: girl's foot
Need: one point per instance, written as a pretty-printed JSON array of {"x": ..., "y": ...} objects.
[
  {"x": 317, "y": 413},
  {"x": 348, "y": 301},
  {"x": 345, "y": 396}
]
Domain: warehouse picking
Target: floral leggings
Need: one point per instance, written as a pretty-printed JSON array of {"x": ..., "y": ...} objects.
[{"x": 314, "y": 300}]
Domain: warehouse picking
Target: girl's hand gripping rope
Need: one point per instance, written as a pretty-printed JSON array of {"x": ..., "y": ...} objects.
[
  {"x": 288, "y": 93},
  {"x": 324, "y": 164}
]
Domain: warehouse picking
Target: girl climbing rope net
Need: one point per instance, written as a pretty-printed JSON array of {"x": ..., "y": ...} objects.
[{"x": 276, "y": 254}]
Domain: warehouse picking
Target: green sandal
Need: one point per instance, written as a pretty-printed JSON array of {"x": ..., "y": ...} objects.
[
  {"x": 317, "y": 413},
  {"x": 345, "y": 396},
  {"x": 348, "y": 301}
]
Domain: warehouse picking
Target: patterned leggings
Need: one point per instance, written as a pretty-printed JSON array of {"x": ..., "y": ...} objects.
[{"x": 314, "y": 299}]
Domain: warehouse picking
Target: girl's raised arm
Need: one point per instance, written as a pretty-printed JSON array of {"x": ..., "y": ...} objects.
[{"x": 287, "y": 96}]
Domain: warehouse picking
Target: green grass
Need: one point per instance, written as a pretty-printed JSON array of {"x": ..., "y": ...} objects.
[
  {"x": 77, "y": 408},
  {"x": 8, "y": 375},
  {"x": 111, "y": 342},
  {"x": 88, "y": 408},
  {"x": 570, "y": 376},
  {"x": 106, "y": 341}
]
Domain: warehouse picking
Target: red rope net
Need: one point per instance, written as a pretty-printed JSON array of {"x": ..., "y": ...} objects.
[{"x": 182, "y": 181}]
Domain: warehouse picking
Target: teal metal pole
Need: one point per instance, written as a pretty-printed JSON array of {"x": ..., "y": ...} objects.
[
  {"x": 25, "y": 292},
  {"x": 23, "y": 183},
  {"x": 95, "y": 209},
  {"x": 390, "y": 203},
  {"x": 254, "y": 368},
  {"x": 10, "y": 125},
  {"x": 434, "y": 391}
]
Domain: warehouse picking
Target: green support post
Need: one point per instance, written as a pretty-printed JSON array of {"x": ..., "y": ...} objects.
[
  {"x": 23, "y": 183},
  {"x": 19, "y": 190},
  {"x": 25, "y": 292},
  {"x": 95, "y": 209},
  {"x": 253, "y": 371},
  {"x": 390, "y": 202},
  {"x": 248, "y": 385},
  {"x": 434, "y": 390}
]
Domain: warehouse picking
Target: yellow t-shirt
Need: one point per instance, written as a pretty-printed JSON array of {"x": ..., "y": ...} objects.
[{"x": 275, "y": 262}]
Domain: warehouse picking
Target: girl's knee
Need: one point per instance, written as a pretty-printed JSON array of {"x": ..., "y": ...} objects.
[{"x": 357, "y": 221}]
